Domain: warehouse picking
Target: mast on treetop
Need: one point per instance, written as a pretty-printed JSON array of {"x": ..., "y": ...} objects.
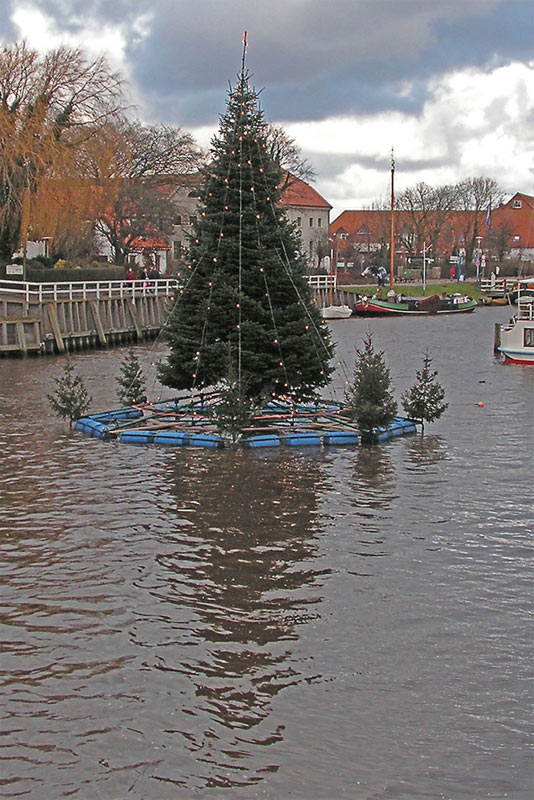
[
  {"x": 392, "y": 225},
  {"x": 244, "y": 56}
]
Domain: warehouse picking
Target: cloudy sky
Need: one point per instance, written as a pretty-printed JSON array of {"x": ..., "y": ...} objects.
[{"x": 448, "y": 83}]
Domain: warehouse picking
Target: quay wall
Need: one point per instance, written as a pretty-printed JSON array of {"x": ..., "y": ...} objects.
[{"x": 30, "y": 324}]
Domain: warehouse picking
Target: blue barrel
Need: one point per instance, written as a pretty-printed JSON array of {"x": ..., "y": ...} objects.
[
  {"x": 264, "y": 440},
  {"x": 405, "y": 426},
  {"x": 299, "y": 439},
  {"x": 137, "y": 437},
  {"x": 382, "y": 434},
  {"x": 341, "y": 437},
  {"x": 120, "y": 413},
  {"x": 171, "y": 438},
  {"x": 91, "y": 427},
  {"x": 205, "y": 440}
]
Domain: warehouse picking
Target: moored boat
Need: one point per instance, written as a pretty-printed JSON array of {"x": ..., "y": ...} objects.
[
  {"x": 521, "y": 289},
  {"x": 336, "y": 312},
  {"x": 516, "y": 339},
  {"x": 401, "y": 305}
]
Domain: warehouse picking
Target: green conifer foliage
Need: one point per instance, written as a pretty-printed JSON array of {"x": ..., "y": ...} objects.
[
  {"x": 246, "y": 297},
  {"x": 369, "y": 398},
  {"x": 70, "y": 399},
  {"x": 131, "y": 387},
  {"x": 424, "y": 401}
]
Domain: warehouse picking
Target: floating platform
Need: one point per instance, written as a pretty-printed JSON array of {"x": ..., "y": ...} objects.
[{"x": 190, "y": 423}]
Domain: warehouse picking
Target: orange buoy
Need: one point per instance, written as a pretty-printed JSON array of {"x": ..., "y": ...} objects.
[{"x": 480, "y": 404}]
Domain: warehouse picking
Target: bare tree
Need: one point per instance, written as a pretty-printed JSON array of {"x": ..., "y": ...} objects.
[
  {"x": 426, "y": 211},
  {"x": 49, "y": 105},
  {"x": 286, "y": 154},
  {"x": 474, "y": 195},
  {"x": 134, "y": 168}
]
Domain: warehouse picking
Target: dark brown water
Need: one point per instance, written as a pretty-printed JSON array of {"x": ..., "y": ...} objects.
[{"x": 305, "y": 624}]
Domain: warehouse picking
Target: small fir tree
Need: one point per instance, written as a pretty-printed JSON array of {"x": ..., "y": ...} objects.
[
  {"x": 369, "y": 398},
  {"x": 247, "y": 299},
  {"x": 131, "y": 387},
  {"x": 70, "y": 399},
  {"x": 235, "y": 408},
  {"x": 233, "y": 412},
  {"x": 425, "y": 400}
]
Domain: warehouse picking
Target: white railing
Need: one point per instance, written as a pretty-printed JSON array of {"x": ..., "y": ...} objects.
[
  {"x": 503, "y": 285},
  {"x": 525, "y": 309},
  {"x": 322, "y": 281},
  {"x": 88, "y": 290}
]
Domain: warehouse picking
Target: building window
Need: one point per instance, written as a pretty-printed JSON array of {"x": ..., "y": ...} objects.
[
  {"x": 311, "y": 249},
  {"x": 311, "y": 222},
  {"x": 193, "y": 219},
  {"x": 319, "y": 222},
  {"x": 299, "y": 221},
  {"x": 177, "y": 219},
  {"x": 176, "y": 250},
  {"x": 516, "y": 204}
]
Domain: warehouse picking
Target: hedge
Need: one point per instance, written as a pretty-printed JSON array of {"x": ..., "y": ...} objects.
[{"x": 43, "y": 275}]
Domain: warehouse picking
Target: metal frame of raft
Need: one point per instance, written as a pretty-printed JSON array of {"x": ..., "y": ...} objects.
[{"x": 187, "y": 423}]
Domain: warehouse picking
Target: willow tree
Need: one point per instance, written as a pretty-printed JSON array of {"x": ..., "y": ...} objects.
[
  {"x": 245, "y": 317},
  {"x": 49, "y": 105}
]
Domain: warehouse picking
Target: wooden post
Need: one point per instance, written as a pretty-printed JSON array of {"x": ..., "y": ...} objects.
[
  {"x": 52, "y": 316},
  {"x": 93, "y": 304},
  {"x": 497, "y": 337},
  {"x": 133, "y": 315},
  {"x": 21, "y": 337}
]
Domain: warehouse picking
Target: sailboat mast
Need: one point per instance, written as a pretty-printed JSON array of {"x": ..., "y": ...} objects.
[{"x": 392, "y": 226}]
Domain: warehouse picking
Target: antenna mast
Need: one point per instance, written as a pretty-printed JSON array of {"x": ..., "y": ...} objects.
[
  {"x": 392, "y": 225},
  {"x": 244, "y": 56}
]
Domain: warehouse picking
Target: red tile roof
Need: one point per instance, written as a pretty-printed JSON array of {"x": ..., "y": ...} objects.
[
  {"x": 299, "y": 193},
  {"x": 150, "y": 243}
]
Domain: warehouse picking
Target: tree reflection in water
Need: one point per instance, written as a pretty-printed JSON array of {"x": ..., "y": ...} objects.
[
  {"x": 424, "y": 451},
  {"x": 244, "y": 569}
]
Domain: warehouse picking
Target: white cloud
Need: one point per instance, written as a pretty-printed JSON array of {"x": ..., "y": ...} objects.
[
  {"x": 474, "y": 123},
  {"x": 42, "y": 33}
]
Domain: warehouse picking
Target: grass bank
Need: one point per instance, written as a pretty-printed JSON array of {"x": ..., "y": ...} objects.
[{"x": 418, "y": 290}]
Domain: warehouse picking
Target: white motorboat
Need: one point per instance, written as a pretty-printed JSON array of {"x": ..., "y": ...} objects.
[
  {"x": 516, "y": 339},
  {"x": 336, "y": 312}
]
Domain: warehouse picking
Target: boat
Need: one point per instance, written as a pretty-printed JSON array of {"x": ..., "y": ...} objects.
[
  {"x": 409, "y": 306},
  {"x": 516, "y": 339},
  {"x": 336, "y": 312},
  {"x": 522, "y": 288},
  {"x": 333, "y": 311}
]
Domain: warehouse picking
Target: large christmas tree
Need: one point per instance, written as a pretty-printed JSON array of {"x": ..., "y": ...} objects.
[{"x": 245, "y": 316}]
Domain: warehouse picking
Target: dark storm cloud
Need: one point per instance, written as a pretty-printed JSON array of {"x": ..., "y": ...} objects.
[
  {"x": 314, "y": 59},
  {"x": 7, "y": 30}
]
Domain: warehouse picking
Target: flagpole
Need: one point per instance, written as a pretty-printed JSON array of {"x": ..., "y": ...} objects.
[{"x": 392, "y": 226}]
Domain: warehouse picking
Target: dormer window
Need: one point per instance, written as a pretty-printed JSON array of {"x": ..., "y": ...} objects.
[{"x": 516, "y": 204}]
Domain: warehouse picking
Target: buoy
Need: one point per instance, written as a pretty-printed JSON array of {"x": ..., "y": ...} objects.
[{"x": 480, "y": 404}]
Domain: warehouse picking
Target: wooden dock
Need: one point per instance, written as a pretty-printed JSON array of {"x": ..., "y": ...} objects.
[{"x": 51, "y": 318}]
